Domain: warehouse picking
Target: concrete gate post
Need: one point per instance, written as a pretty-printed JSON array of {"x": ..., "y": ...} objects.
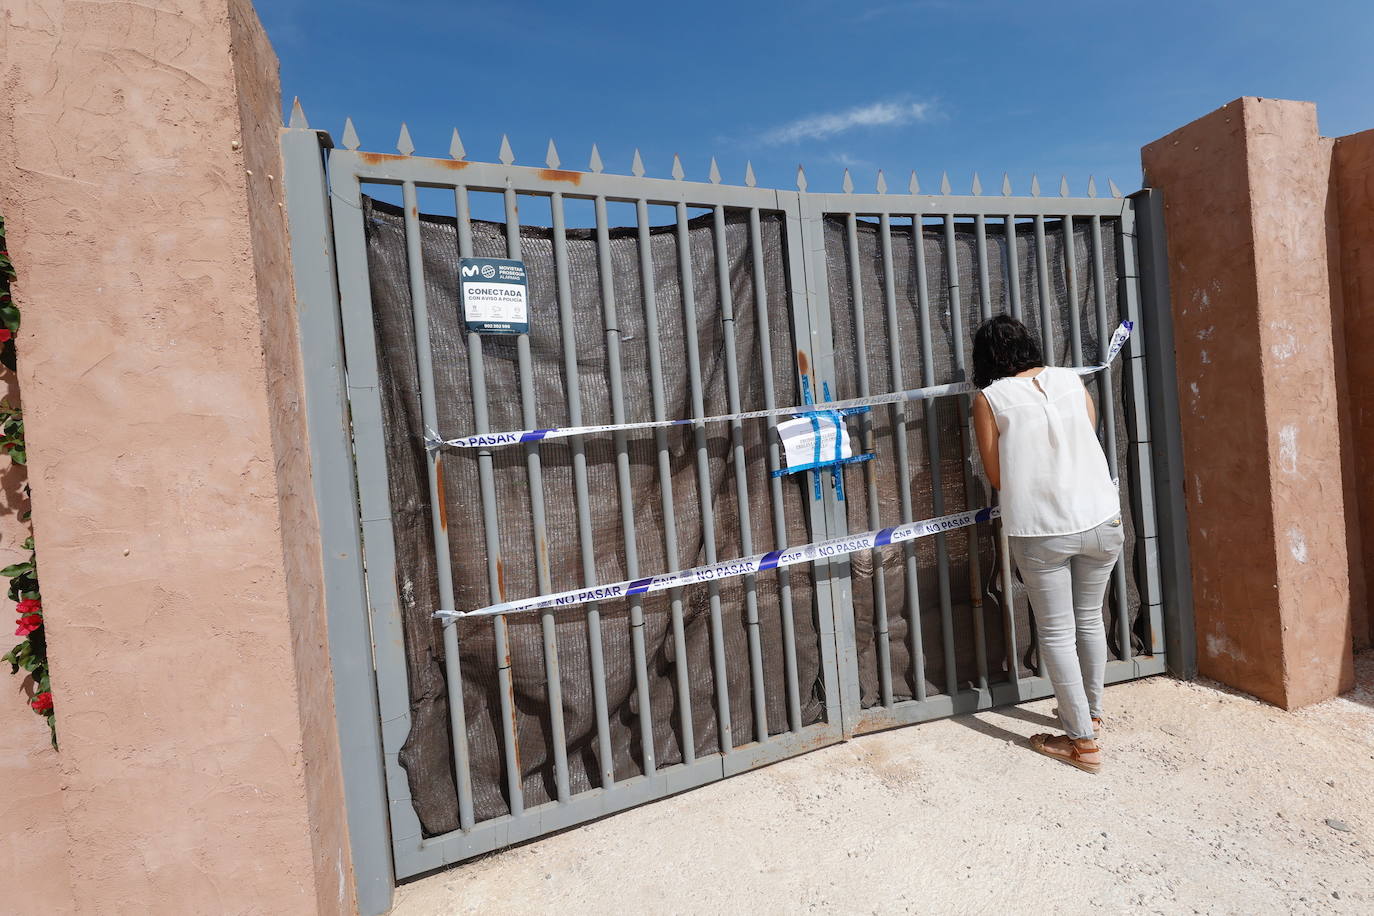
[
  {"x": 177, "y": 535},
  {"x": 1247, "y": 214}
]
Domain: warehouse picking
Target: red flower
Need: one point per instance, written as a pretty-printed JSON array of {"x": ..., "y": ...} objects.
[
  {"x": 42, "y": 702},
  {"x": 29, "y": 606},
  {"x": 5, "y": 334},
  {"x": 28, "y": 623}
]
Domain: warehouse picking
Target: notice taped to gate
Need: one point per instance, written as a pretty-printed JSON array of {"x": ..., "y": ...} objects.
[{"x": 495, "y": 295}]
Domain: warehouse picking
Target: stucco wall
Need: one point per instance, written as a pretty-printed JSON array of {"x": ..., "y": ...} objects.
[
  {"x": 170, "y": 489},
  {"x": 1245, "y": 192},
  {"x": 1353, "y": 180},
  {"x": 259, "y": 96},
  {"x": 33, "y": 835}
]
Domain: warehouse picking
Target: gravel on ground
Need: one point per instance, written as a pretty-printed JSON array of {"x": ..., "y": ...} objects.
[{"x": 1209, "y": 802}]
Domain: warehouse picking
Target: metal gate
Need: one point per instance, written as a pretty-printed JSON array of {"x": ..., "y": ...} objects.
[{"x": 497, "y": 729}]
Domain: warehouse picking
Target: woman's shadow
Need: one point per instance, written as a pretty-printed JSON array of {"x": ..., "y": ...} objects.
[{"x": 972, "y": 721}]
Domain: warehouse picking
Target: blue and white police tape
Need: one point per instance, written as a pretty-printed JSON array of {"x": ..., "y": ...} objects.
[
  {"x": 487, "y": 440},
  {"x": 742, "y": 567}
]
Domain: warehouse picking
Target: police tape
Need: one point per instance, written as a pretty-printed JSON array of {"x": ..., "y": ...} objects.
[
  {"x": 513, "y": 437},
  {"x": 763, "y": 562}
]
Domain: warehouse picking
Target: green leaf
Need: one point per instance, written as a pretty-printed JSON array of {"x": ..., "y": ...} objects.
[{"x": 18, "y": 569}]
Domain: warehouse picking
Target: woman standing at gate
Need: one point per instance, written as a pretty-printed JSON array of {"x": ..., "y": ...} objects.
[{"x": 1062, "y": 515}]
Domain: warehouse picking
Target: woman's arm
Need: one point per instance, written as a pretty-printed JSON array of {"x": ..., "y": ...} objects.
[
  {"x": 1092, "y": 408},
  {"x": 985, "y": 428}
]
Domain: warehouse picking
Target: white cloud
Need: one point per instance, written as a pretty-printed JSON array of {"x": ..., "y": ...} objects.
[{"x": 875, "y": 114}]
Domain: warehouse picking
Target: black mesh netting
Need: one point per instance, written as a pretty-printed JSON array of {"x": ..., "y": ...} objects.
[{"x": 427, "y": 754}]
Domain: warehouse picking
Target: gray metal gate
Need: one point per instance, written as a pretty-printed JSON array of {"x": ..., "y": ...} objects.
[{"x": 494, "y": 730}]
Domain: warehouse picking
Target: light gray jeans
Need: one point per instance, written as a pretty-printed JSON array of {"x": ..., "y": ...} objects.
[{"x": 1066, "y": 576}]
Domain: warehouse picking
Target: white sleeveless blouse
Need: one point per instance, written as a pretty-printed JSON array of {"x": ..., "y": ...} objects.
[{"x": 1054, "y": 475}]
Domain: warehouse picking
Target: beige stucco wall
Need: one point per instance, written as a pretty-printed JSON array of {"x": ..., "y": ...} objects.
[
  {"x": 180, "y": 568},
  {"x": 33, "y": 835},
  {"x": 1246, "y": 211},
  {"x": 1353, "y": 181}
]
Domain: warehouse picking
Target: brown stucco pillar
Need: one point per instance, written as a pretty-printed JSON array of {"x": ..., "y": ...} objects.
[
  {"x": 178, "y": 547},
  {"x": 1246, "y": 212},
  {"x": 1353, "y": 180}
]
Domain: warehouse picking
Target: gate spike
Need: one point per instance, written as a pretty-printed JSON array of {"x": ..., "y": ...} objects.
[
  {"x": 595, "y": 164},
  {"x": 715, "y": 172},
  {"x": 801, "y": 179},
  {"x": 1006, "y": 185},
  {"x": 1063, "y": 185},
  {"x": 551, "y": 159},
  {"x": 404, "y": 146},
  {"x": 848, "y": 183},
  {"x": 637, "y": 166},
  {"x": 977, "y": 185},
  {"x": 297, "y": 114},
  {"x": 882, "y": 182},
  {"x": 1111, "y": 185},
  {"x": 1092, "y": 186},
  {"x": 913, "y": 185},
  {"x": 1035, "y": 185},
  {"x": 507, "y": 155},
  {"x": 944, "y": 182},
  {"x": 749, "y": 180},
  {"x": 350, "y": 136},
  {"x": 455, "y": 146},
  {"x": 678, "y": 173}
]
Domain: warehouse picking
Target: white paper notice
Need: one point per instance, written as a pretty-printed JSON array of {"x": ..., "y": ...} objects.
[{"x": 813, "y": 439}]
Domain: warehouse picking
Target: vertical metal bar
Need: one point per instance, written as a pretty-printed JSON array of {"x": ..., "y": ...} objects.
[
  {"x": 438, "y": 514},
  {"x": 1138, "y": 414},
  {"x": 1165, "y": 442},
  {"x": 746, "y": 531},
  {"x": 933, "y": 450},
  {"x": 774, "y": 463},
  {"x": 577, "y": 448},
  {"x": 980, "y": 232},
  {"x": 985, "y": 312},
  {"x": 1071, "y": 275},
  {"x": 808, "y": 286},
  {"x": 1157, "y": 328},
  {"x": 534, "y": 470},
  {"x": 1009, "y": 609},
  {"x": 915, "y": 636},
  {"x": 1042, "y": 273},
  {"x": 1107, "y": 414},
  {"x": 665, "y": 482},
  {"x": 1013, "y": 267},
  {"x": 319, "y": 325},
  {"x": 622, "y": 466},
  {"x": 486, "y": 478},
  {"x": 956, "y": 326},
  {"x": 875, "y": 521},
  {"x": 375, "y": 511},
  {"x": 704, "y": 490}
]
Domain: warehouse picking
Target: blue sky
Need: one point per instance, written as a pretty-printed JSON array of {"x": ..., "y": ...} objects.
[{"x": 960, "y": 85}]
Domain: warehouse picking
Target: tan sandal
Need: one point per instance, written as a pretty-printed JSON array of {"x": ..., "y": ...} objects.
[{"x": 1066, "y": 749}]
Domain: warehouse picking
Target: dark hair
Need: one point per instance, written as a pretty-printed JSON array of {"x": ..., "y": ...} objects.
[{"x": 1001, "y": 347}]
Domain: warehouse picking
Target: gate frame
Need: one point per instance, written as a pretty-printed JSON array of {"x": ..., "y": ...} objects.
[{"x": 362, "y": 623}]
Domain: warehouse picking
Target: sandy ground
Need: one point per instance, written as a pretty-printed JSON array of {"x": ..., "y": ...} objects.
[{"x": 1210, "y": 802}]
